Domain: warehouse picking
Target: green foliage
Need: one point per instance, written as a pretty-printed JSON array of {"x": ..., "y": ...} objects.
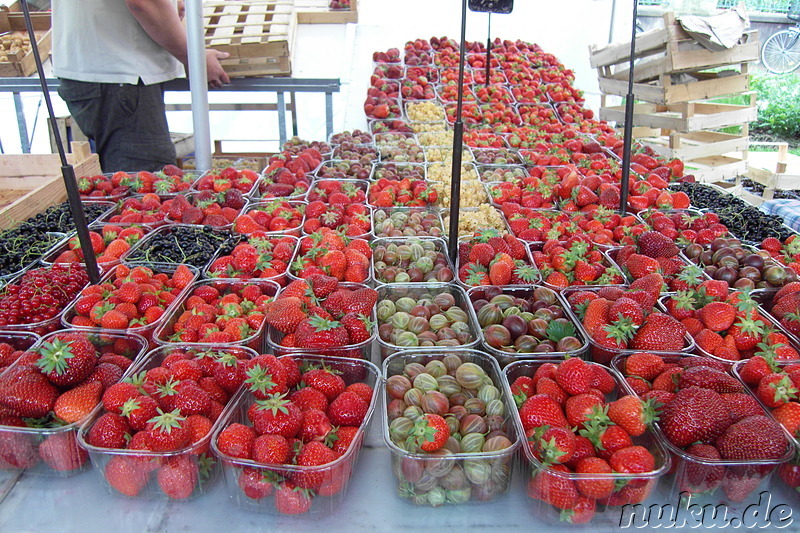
[
  {"x": 778, "y": 104},
  {"x": 764, "y": 6}
]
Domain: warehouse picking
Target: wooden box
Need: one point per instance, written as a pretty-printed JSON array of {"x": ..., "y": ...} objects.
[
  {"x": 685, "y": 116},
  {"x": 717, "y": 167},
  {"x": 22, "y": 64},
  {"x": 775, "y": 170},
  {"x": 698, "y": 144},
  {"x": 31, "y": 183},
  {"x": 259, "y": 36},
  {"x": 318, "y": 12}
]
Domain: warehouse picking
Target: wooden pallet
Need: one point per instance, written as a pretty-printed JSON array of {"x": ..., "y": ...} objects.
[
  {"x": 318, "y": 12},
  {"x": 29, "y": 183},
  {"x": 685, "y": 116},
  {"x": 21, "y": 64},
  {"x": 694, "y": 145},
  {"x": 259, "y": 35}
]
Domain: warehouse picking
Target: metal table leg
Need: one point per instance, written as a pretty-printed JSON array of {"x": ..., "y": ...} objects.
[
  {"x": 282, "y": 118},
  {"x": 21, "y": 123},
  {"x": 328, "y": 113},
  {"x": 293, "y": 98}
]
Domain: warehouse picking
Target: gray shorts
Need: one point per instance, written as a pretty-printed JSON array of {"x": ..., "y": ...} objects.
[{"x": 128, "y": 123}]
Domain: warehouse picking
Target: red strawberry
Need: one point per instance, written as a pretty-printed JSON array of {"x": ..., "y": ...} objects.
[
  {"x": 752, "y": 438},
  {"x": 27, "y": 391},
  {"x": 125, "y": 475},
  {"x": 110, "y": 430},
  {"x": 236, "y": 440},
  {"x": 275, "y": 415},
  {"x": 430, "y": 432},
  {"x": 178, "y": 476},
  {"x": 632, "y": 414},
  {"x": 271, "y": 449},
  {"x": 694, "y": 415},
  {"x": 541, "y": 410},
  {"x": 659, "y": 332},
  {"x": 67, "y": 363},
  {"x": 291, "y": 499},
  {"x": 313, "y": 453},
  {"x": 574, "y": 375},
  {"x": 348, "y": 409},
  {"x": 61, "y": 452},
  {"x": 76, "y": 404},
  {"x": 168, "y": 432}
]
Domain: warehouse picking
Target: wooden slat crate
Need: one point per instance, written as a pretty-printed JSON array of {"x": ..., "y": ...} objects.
[
  {"x": 12, "y": 14},
  {"x": 775, "y": 170},
  {"x": 259, "y": 35},
  {"x": 22, "y": 64},
  {"x": 717, "y": 167},
  {"x": 29, "y": 184},
  {"x": 686, "y": 116},
  {"x": 665, "y": 53},
  {"x": 318, "y": 12},
  {"x": 698, "y": 144}
]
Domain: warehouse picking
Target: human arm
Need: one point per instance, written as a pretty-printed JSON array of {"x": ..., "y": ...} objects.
[{"x": 160, "y": 20}]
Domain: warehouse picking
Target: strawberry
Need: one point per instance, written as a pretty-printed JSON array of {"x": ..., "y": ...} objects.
[
  {"x": 256, "y": 483},
  {"x": 776, "y": 389},
  {"x": 752, "y": 438},
  {"x": 661, "y": 332},
  {"x": 348, "y": 409},
  {"x": 61, "y": 452},
  {"x": 110, "y": 430},
  {"x": 325, "y": 381},
  {"x": 541, "y": 410},
  {"x": 632, "y": 414},
  {"x": 702, "y": 476},
  {"x": 640, "y": 266},
  {"x": 551, "y": 485},
  {"x": 291, "y": 499},
  {"x": 67, "y": 363},
  {"x": 655, "y": 244},
  {"x": 574, "y": 375},
  {"x": 788, "y": 415},
  {"x": 313, "y": 453},
  {"x": 270, "y": 449},
  {"x": 236, "y": 440},
  {"x": 717, "y": 316},
  {"x": 694, "y": 415},
  {"x": 632, "y": 460},
  {"x": 168, "y": 431},
  {"x": 708, "y": 378},
  {"x": 284, "y": 314},
  {"x": 430, "y": 432},
  {"x": 593, "y": 485},
  {"x": 359, "y": 327},
  {"x": 75, "y": 404},
  {"x": 125, "y": 475},
  {"x": 27, "y": 391},
  {"x": 275, "y": 415},
  {"x": 138, "y": 411},
  {"x": 580, "y": 408},
  {"x": 643, "y": 364},
  {"x": 178, "y": 477},
  {"x": 317, "y": 332}
]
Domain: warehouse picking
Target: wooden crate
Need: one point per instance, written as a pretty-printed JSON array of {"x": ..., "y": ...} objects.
[
  {"x": 705, "y": 85},
  {"x": 668, "y": 50},
  {"x": 717, "y": 167},
  {"x": 12, "y": 15},
  {"x": 318, "y": 12},
  {"x": 685, "y": 116},
  {"x": 29, "y": 183},
  {"x": 22, "y": 64},
  {"x": 694, "y": 145},
  {"x": 775, "y": 170},
  {"x": 259, "y": 35},
  {"x": 737, "y": 190}
]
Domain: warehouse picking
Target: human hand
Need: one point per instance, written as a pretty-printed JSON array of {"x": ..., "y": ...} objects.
[{"x": 215, "y": 73}]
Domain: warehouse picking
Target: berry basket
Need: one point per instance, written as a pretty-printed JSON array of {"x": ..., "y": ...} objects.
[
  {"x": 268, "y": 487},
  {"x": 51, "y": 257},
  {"x": 535, "y": 296},
  {"x": 70, "y": 314},
  {"x": 361, "y": 350},
  {"x": 12, "y": 344},
  {"x": 31, "y": 280},
  {"x": 710, "y": 480},
  {"x": 183, "y": 473},
  {"x": 427, "y": 257},
  {"x": 270, "y": 227},
  {"x": 339, "y": 169},
  {"x": 449, "y": 474},
  {"x": 546, "y": 484},
  {"x": 391, "y": 222},
  {"x": 397, "y": 324},
  {"x": 265, "y": 246},
  {"x": 50, "y": 448},
  {"x": 180, "y": 243},
  {"x": 397, "y": 171}
]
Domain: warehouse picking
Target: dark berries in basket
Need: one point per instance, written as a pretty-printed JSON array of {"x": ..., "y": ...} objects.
[{"x": 182, "y": 244}]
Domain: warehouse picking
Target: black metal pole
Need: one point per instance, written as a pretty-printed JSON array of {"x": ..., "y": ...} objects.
[
  {"x": 67, "y": 172},
  {"x": 628, "y": 130},
  {"x": 458, "y": 142},
  {"x": 489, "y": 49}
]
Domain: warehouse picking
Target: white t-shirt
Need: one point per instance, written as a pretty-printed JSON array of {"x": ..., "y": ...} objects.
[{"x": 100, "y": 41}]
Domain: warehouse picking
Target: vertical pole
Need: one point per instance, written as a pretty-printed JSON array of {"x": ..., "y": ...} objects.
[
  {"x": 458, "y": 142},
  {"x": 628, "y": 130},
  {"x": 22, "y": 124},
  {"x": 328, "y": 114},
  {"x": 489, "y": 49},
  {"x": 198, "y": 83},
  {"x": 281, "y": 117}
]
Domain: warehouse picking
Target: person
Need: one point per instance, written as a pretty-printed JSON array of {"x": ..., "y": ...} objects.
[{"x": 112, "y": 58}]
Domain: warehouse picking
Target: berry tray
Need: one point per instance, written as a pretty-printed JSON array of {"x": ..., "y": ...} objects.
[
  {"x": 398, "y": 255},
  {"x": 201, "y": 295},
  {"x": 545, "y": 484},
  {"x": 398, "y": 331},
  {"x": 389, "y": 222},
  {"x": 449, "y": 474},
  {"x": 184, "y": 473},
  {"x": 51, "y": 449},
  {"x": 271, "y": 488}
]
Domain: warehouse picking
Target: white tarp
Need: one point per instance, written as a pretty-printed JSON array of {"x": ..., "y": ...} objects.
[{"x": 717, "y": 32}]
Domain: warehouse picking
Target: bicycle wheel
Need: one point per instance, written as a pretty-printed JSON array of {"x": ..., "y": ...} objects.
[{"x": 781, "y": 52}]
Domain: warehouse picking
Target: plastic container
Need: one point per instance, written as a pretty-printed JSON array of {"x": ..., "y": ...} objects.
[
  {"x": 432, "y": 479},
  {"x": 356, "y": 152},
  {"x": 606, "y": 261},
  {"x": 391, "y": 222},
  {"x": 412, "y": 104},
  {"x": 495, "y": 157},
  {"x": 629, "y": 489},
  {"x": 139, "y": 468},
  {"x": 293, "y": 272},
  {"x": 398, "y": 171},
  {"x": 437, "y": 246},
  {"x": 267, "y": 243},
  {"x": 146, "y": 330},
  {"x": 50, "y": 257},
  {"x": 492, "y": 173},
  {"x": 394, "y": 124},
  {"x": 164, "y": 333},
  {"x": 338, "y": 169},
  {"x": 267, "y": 205},
  {"x": 511, "y": 354},
  {"x": 707, "y": 479},
  {"x": 335, "y": 475},
  {"x": 18, "y": 341},
  {"x": 420, "y": 291},
  {"x": 528, "y": 260},
  {"x": 145, "y": 251},
  {"x": 193, "y": 199},
  {"x": 603, "y": 354},
  {"x": 356, "y": 136},
  {"x": 361, "y": 350},
  {"x": 53, "y": 451}
]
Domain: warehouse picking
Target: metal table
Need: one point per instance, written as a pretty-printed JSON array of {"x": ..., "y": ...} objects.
[{"x": 280, "y": 86}]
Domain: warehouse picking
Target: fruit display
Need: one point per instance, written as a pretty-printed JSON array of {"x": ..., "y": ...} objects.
[
  {"x": 138, "y": 211},
  {"x": 489, "y": 257},
  {"x": 617, "y": 319},
  {"x": 169, "y": 180},
  {"x": 722, "y": 441},
  {"x": 103, "y": 187},
  {"x": 51, "y": 390},
  {"x": 411, "y": 260},
  {"x": 219, "y": 312},
  {"x": 449, "y": 427},
  {"x": 190, "y": 245},
  {"x": 130, "y": 297},
  {"x": 14, "y": 344},
  {"x": 35, "y": 300},
  {"x": 275, "y": 217},
  {"x": 406, "y": 222},
  {"x": 242, "y": 180},
  {"x": 405, "y": 192},
  {"x": 109, "y": 244},
  {"x": 206, "y": 208},
  {"x": 575, "y": 262},
  {"x": 318, "y": 314},
  {"x": 258, "y": 255},
  {"x": 589, "y": 448},
  {"x": 425, "y": 316},
  {"x": 288, "y": 175},
  {"x": 356, "y": 137},
  {"x": 728, "y": 326},
  {"x": 343, "y": 169},
  {"x": 291, "y": 441},
  {"x": 363, "y": 153},
  {"x": 329, "y": 252},
  {"x": 518, "y": 322},
  {"x": 152, "y": 439}
]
